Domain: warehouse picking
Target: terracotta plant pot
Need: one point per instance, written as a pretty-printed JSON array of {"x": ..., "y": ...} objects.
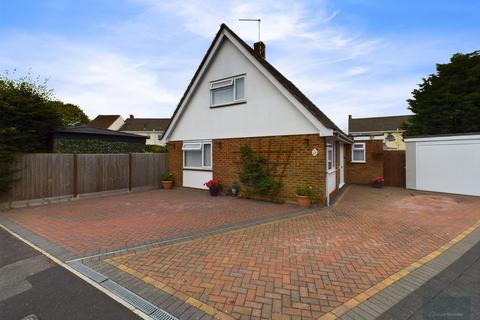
[
  {"x": 304, "y": 201},
  {"x": 167, "y": 184}
]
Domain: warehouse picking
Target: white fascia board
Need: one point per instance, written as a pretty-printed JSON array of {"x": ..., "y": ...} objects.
[
  {"x": 444, "y": 138},
  {"x": 323, "y": 131},
  {"x": 367, "y": 138}
]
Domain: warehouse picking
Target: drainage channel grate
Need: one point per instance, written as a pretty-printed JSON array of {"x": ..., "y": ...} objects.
[
  {"x": 88, "y": 272},
  {"x": 138, "y": 302}
]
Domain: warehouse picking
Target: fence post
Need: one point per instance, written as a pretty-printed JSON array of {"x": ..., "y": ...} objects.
[
  {"x": 129, "y": 171},
  {"x": 75, "y": 175}
]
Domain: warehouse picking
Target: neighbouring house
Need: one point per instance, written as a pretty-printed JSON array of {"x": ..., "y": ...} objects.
[
  {"x": 87, "y": 139},
  {"x": 386, "y": 129},
  {"x": 236, "y": 98},
  {"x": 152, "y": 128},
  {"x": 110, "y": 122},
  {"x": 373, "y": 151}
]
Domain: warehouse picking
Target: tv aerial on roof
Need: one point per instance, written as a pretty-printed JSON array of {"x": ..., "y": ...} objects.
[{"x": 256, "y": 20}]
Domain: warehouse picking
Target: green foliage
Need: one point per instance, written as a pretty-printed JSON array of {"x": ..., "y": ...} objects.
[
  {"x": 69, "y": 145},
  {"x": 448, "y": 101},
  {"x": 306, "y": 192},
  {"x": 71, "y": 114},
  {"x": 155, "y": 148},
  {"x": 256, "y": 176},
  {"x": 166, "y": 176},
  {"x": 26, "y": 119}
]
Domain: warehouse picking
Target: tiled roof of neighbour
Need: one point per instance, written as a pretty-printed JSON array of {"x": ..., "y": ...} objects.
[
  {"x": 287, "y": 84},
  {"x": 145, "y": 124},
  {"x": 97, "y": 131},
  {"x": 104, "y": 121},
  {"x": 391, "y": 123}
]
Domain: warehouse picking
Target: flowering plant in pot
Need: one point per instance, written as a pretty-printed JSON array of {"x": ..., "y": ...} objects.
[
  {"x": 214, "y": 186},
  {"x": 377, "y": 182},
  {"x": 305, "y": 196},
  {"x": 167, "y": 180}
]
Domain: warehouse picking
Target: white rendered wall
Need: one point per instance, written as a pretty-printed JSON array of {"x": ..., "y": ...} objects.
[
  {"x": 196, "y": 179},
  {"x": 266, "y": 113}
]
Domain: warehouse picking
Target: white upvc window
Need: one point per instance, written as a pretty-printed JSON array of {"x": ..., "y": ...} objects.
[
  {"x": 197, "y": 155},
  {"x": 358, "y": 152},
  {"x": 228, "y": 91},
  {"x": 330, "y": 157}
]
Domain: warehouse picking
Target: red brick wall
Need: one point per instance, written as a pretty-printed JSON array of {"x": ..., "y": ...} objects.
[
  {"x": 290, "y": 158},
  {"x": 362, "y": 173},
  {"x": 175, "y": 161}
]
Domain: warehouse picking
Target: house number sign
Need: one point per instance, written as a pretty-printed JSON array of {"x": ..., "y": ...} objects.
[{"x": 314, "y": 152}]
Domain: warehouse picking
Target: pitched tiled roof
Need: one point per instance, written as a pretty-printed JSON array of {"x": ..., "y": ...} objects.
[
  {"x": 391, "y": 123},
  {"x": 287, "y": 84},
  {"x": 89, "y": 130},
  {"x": 145, "y": 124},
  {"x": 104, "y": 121}
]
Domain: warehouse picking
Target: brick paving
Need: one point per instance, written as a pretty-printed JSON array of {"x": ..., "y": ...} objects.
[
  {"x": 305, "y": 267},
  {"x": 103, "y": 224}
]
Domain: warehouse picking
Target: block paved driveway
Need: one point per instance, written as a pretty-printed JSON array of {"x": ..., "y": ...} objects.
[
  {"x": 90, "y": 226},
  {"x": 303, "y": 267}
]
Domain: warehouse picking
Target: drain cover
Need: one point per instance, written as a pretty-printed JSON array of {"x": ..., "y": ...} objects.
[
  {"x": 130, "y": 297},
  {"x": 87, "y": 271}
]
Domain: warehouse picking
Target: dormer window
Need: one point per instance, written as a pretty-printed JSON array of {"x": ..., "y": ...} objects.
[{"x": 228, "y": 91}]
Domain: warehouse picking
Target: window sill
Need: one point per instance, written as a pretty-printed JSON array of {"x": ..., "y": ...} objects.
[
  {"x": 228, "y": 104},
  {"x": 359, "y": 161},
  {"x": 197, "y": 169}
]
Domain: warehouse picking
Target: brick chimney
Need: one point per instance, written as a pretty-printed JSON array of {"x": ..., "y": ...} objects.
[{"x": 259, "y": 48}]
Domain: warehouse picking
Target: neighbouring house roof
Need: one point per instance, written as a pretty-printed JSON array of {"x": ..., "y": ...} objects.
[
  {"x": 145, "y": 124},
  {"x": 89, "y": 130},
  {"x": 104, "y": 121},
  {"x": 376, "y": 124},
  {"x": 287, "y": 84}
]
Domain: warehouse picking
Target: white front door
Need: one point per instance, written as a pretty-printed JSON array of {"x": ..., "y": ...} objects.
[{"x": 342, "y": 165}]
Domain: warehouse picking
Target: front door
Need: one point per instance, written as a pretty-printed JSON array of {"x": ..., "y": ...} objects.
[{"x": 342, "y": 165}]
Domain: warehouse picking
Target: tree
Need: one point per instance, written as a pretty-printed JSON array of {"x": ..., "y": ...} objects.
[
  {"x": 71, "y": 114},
  {"x": 448, "y": 101},
  {"x": 26, "y": 120}
]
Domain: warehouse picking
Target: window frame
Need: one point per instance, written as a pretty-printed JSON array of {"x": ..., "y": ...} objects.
[
  {"x": 331, "y": 147},
  {"x": 202, "y": 148},
  {"x": 363, "y": 148},
  {"x": 233, "y": 83}
]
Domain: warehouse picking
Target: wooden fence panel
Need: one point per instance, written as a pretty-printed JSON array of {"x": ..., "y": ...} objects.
[
  {"x": 147, "y": 169},
  {"x": 41, "y": 175},
  {"x": 102, "y": 172}
]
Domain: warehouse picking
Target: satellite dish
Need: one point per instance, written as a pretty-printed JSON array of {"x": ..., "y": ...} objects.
[{"x": 390, "y": 137}]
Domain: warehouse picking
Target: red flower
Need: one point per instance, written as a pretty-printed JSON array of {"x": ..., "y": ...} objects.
[
  {"x": 215, "y": 182},
  {"x": 377, "y": 179}
]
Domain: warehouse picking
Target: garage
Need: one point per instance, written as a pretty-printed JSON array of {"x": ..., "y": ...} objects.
[{"x": 444, "y": 163}]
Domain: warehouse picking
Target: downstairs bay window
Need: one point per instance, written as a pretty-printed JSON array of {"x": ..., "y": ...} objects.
[{"x": 197, "y": 155}]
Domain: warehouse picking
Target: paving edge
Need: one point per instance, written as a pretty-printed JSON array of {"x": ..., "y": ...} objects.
[
  {"x": 378, "y": 299},
  {"x": 81, "y": 276}
]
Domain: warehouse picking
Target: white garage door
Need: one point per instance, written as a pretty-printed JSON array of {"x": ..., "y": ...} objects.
[{"x": 451, "y": 166}]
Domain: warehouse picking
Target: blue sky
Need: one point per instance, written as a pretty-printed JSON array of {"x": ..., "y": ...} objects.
[{"x": 359, "y": 57}]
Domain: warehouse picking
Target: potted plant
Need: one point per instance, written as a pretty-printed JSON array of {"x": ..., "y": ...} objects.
[
  {"x": 235, "y": 188},
  {"x": 305, "y": 196},
  {"x": 167, "y": 180},
  {"x": 214, "y": 186},
  {"x": 377, "y": 182}
]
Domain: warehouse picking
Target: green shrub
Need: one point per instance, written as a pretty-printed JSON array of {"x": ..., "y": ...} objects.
[
  {"x": 256, "y": 176},
  {"x": 151, "y": 148},
  {"x": 306, "y": 192},
  {"x": 166, "y": 177}
]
